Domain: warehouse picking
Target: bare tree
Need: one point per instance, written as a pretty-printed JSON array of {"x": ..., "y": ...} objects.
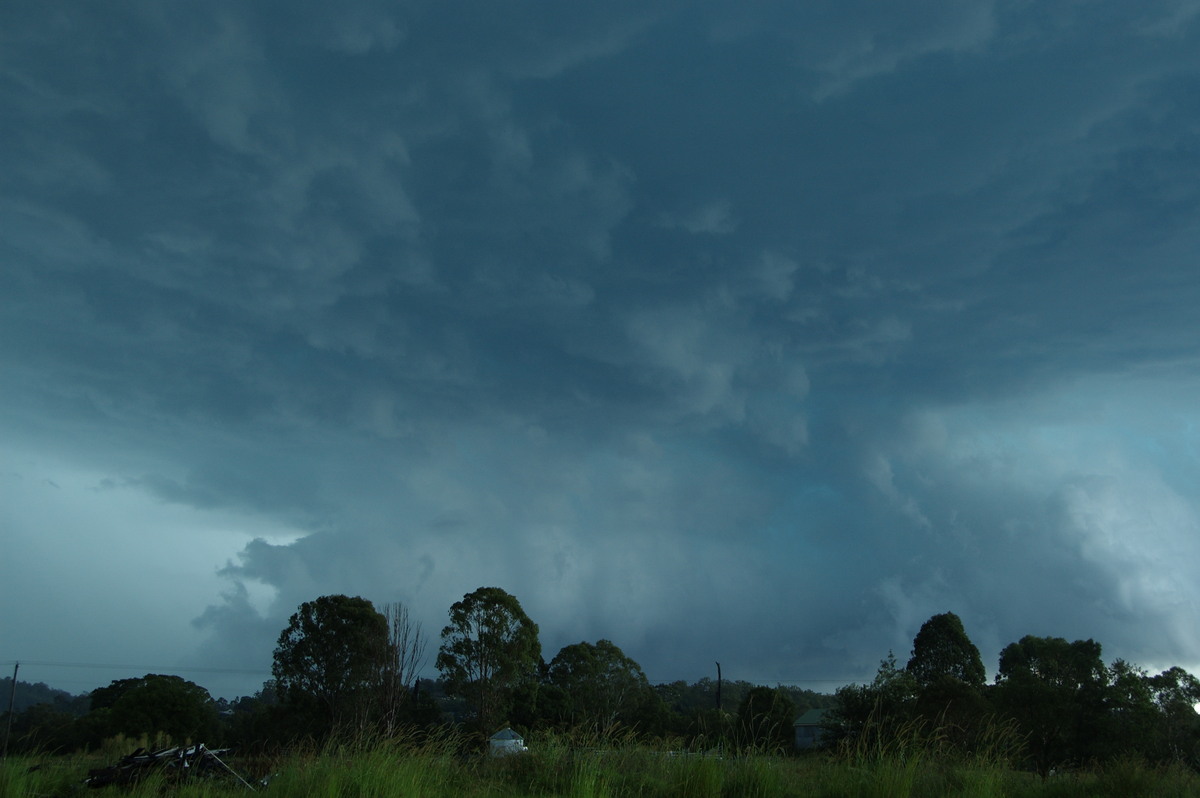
[{"x": 403, "y": 659}]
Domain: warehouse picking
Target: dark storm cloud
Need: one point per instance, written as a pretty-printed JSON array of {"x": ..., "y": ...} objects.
[{"x": 666, "y": 318}]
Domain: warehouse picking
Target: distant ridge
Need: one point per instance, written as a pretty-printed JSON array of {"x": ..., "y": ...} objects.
[{"x": 31, "y": 694}]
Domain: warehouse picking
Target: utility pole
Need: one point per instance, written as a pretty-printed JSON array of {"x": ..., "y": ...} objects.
[
  {"x": 12, "y": 695},
  {"x": 718, "y": 687}
]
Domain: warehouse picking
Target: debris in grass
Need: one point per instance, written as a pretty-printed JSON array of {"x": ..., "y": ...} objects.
[{"x": 180, "y": 763}]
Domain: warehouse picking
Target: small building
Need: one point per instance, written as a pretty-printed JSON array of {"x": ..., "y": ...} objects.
[
  {"x": 505, "y": 742},
  {"x": 810, "y": 729}
]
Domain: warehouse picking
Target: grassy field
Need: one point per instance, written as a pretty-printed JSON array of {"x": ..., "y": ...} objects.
[{"x": 556, "y": 767}]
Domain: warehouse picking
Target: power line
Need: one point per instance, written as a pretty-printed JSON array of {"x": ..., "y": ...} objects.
[
  {"x": 262, "y": 672},
  {"x": 837, "y": 680},
  {"x": 146, "y": 668}
]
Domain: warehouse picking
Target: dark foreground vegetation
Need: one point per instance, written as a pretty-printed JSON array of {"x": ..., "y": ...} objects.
[
  {"x": 346, "y": 715},
  {"x": 561, "y": 765}
]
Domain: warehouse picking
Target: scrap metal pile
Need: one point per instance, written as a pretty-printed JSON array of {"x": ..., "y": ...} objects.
[{"x": 176, "y": 764}]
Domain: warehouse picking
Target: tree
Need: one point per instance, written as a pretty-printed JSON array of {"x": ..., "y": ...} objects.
[
  {"x": 599, "y": 685},
  {"x": 1176, "y": 695},
  {"x": 875, "y": 711},
  {"x": 1053, "y": 662},
  {"x": 1132, "y": 717},
  {"x": 489, "y": 649},
  {"x": 1056, "y": 692},
  {"x": 331, "y": 653},
  {"x": 942, "y": 648},
  {"x": 46, "y": 728},
  {"x": 403, "y": 657},
  {"x": 767, "y": 718},
  {"x": 154, "y": 703},
  {"x": 949, "y": 673}
]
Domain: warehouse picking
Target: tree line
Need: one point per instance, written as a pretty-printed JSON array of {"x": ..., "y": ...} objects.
[
  {"x": 493, "y": 673},
  {"x": 341, "y": 666},
  {"x": 1055, "y": 702}
]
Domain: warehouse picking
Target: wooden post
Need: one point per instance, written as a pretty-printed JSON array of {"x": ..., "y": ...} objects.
[
  {"x": 718, "y": 687},
  {"x": 12, "y": 695}
]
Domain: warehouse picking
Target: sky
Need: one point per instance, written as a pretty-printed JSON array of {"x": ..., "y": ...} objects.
[{"x": 753, "y": 333}]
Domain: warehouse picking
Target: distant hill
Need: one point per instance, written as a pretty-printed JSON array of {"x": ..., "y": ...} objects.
[{"x": 29, "y": 695}]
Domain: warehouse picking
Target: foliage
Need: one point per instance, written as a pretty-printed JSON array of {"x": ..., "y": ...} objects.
[
  {"x": 690, "y": 710},
  {"x": 596, "y": 686},
  {"x": 182, "y": 710},
  {"x": 942, "y": 648},
  {"x": 43, "y": 718},
  {"x": 332, "y": 654},
  {"x": 489, "y": 649},
  {"x": 252, "y": 721},
  {"x": 43, "y": 727},
  {"x": 1176, "y": 694},
  {"x": 767, "y": 719},
  {"x": 949, "y": 674},
  {"x": 1056, "y": 692},
  {"x": 883, "y": 706},
  {"x": 1053, "y": 661},
  {"x": 962, "y": 711}
]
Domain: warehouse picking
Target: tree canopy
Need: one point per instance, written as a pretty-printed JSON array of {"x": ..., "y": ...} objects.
[
  {"x": 489, "y": 648},
  {"x": 942, "y": 648},
  {"x": 881, "y": 707},
  {"x": 1056, "y": 692},
  {"x": 332, "y": 651},
  {"x": 599, "y": 685},
  {"x": 155, "y": 703},
  {"x": 1053, "y": 662}
]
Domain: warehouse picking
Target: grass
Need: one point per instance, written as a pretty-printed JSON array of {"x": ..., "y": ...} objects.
[{"x": 569, "y": 767}]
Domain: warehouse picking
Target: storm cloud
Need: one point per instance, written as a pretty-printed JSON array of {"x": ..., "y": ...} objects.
[{"x": 756, "y": 333}]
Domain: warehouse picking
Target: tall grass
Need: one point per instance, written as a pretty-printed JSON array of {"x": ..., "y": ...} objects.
[
  {"x": 923, "y": 757},
  {"x": 399, "y": 766},
  {"x": 36, "y": 776},
  {"x": 915, "y": 761}
]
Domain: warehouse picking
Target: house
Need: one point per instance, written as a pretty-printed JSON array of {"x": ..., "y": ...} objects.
[
  {"x": 505, "y": 742},
  {"x": 809, "y": 729}
]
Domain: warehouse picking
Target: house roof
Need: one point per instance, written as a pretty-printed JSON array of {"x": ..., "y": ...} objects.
[
  {"x": 814, "y": 717},
  {"x": 506, "y": 734}
]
